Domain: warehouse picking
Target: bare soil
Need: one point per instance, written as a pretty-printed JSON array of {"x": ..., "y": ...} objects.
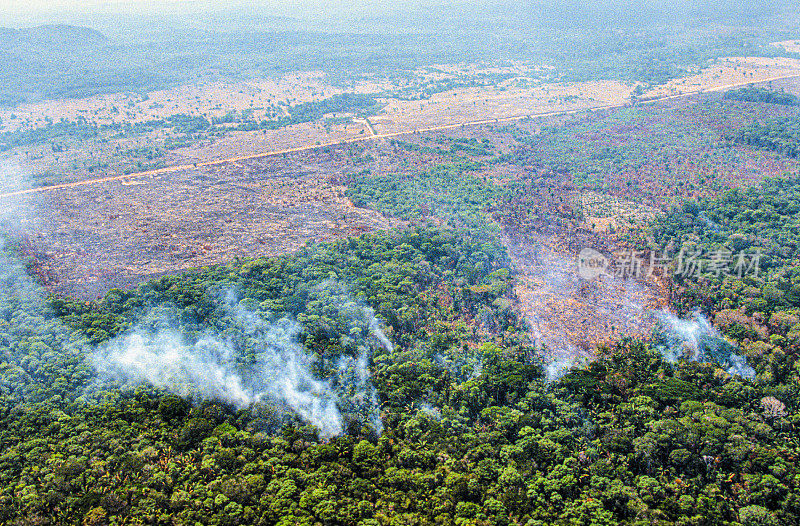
[{"x": 88, "y": 239}]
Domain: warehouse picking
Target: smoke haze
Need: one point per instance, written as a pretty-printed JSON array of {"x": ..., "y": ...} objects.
[
  {"x": 272, "y": 367},
  {"x": 695, "y": 339}
]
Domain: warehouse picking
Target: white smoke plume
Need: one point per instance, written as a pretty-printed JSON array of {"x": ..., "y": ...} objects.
[
  {"x": 12, "y": 177},
  {"x": 356, "y": 389},
  {"x": 16, "y": 214},
  {"x": 361, "y": 332},
  {"x": 166, "y": 359},
  {"x": 20, "y": 215},
  {"x": 278, "y": 370},
  {"x": 557, "y": 368},
  {"x": 375, "y": 328},
  {"x": 695, "y": 339},
  {"x": 281, "y": 373},
  {"x": 431, "y": 411}
]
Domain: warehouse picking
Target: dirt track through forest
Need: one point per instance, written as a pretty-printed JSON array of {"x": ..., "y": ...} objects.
[{"x": 170, "y": 169}]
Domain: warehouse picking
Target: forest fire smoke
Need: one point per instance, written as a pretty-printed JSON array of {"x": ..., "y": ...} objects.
[
  {"x": 251, "y": 361},
  {"x": 695, "y": 339},
  {"x": 278, "y": 370},
  {"x": 281, "y": 373},
  {"x": 375, "y": 327},
  {"x": 356, "y": 391},
  {"x": 351, "y": 376}
]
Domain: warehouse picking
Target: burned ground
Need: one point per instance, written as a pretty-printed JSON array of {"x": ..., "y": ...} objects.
[{"x": 87, "y": 239}]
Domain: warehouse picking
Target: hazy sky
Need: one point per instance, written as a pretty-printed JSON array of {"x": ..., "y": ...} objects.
[
  {"x": 106, "y": 15},
  {"x": 295, "y": 8}
]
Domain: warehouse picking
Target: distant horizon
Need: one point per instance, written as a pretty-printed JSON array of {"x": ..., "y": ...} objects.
[
  {"x": 71, "y": 9},
  {"x": 106, "y": 13}
]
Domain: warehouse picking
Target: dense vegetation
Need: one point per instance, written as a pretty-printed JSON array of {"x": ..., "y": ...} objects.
[
  {"x": 755, "y": 94},
  {"x": 451, "y": 192},
  {"x": 778, "y": 135}
]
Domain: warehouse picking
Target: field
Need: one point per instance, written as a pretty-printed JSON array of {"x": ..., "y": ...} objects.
[
  {"x": 89, "y": 239},
  {"x": 792, "y": 46},
  {"x": 727, "y": 72},
  {"x": 106, "y": 135}
]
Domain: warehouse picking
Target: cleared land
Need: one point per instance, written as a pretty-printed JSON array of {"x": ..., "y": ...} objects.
[
  {"x": 505, "y": 102},
  {"x": 570, "y": 315},
  {"x": 792, "y": 46},
  {"x": 88, "y": 239},
  {"x": 727, "y": 73}
]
